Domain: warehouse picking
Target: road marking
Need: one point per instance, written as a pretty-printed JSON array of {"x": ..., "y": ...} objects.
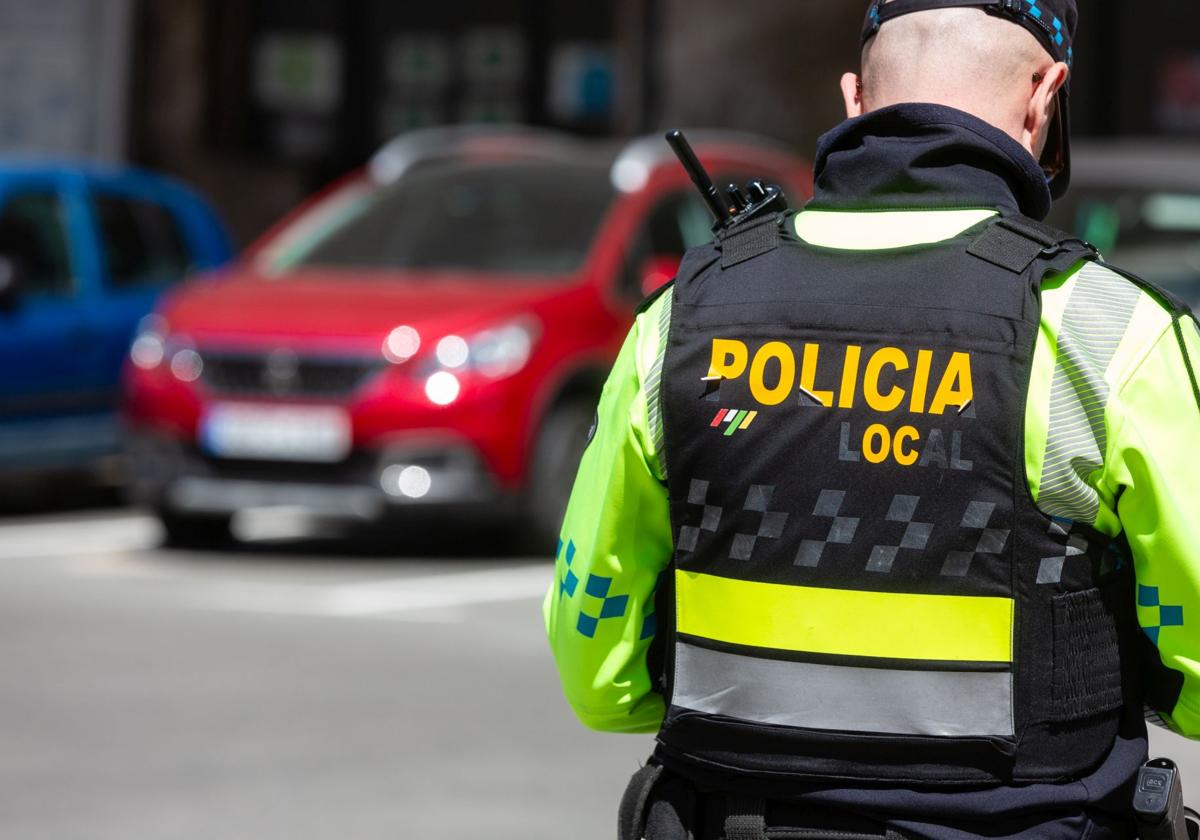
[
  {"x": 74, "y": 538},
  {"x": 380, "y": 598}
]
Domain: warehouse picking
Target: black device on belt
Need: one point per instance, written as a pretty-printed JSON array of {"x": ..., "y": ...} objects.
[{"x": 1158, "y": 802}]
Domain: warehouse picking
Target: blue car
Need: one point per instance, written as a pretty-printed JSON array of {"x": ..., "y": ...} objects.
[{"x": 84, "y": 254}]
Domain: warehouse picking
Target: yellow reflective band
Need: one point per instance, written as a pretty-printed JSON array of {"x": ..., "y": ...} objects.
[
  {"x": 880, "y": 231},
  {"x": 839, "y": 622}
]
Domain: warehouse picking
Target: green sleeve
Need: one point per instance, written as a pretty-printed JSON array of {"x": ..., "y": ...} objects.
[
  {"x": 1152, "y": 471},
  {"x": 616, "y": 541}
]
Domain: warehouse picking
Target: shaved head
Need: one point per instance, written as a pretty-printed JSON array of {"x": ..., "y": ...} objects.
[
  {"x": 963, "y": 58},
  {"x": 953, "y": 55}
]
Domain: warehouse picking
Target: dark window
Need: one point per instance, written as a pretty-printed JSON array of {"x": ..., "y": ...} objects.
[
  {"x": 513, "y": 218},
  {"x": 143, "y": 244},
  {"x": 676, "y": 223},
  {"x": 33, "y": 234}
]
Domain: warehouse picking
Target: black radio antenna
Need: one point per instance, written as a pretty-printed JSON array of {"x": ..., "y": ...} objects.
[
  {"x": 737, "y": 207},
  {"x": 695, "y": 170}
]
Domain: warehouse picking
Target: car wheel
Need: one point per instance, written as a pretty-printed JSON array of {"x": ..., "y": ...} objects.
[
  {"x": 196, "y": 531},
  {"x": 559, "y": 447}
]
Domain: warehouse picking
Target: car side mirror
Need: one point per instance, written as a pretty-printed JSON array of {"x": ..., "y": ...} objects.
[
  {"x": 658, "y": 270},
  {"x": 11, "y": 281}
]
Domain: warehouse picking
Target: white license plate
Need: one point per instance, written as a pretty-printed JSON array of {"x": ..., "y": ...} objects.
[{"x": 307, "y": 434}]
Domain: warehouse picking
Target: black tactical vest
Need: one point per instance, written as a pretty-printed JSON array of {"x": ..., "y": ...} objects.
[{"x": 863, "y": 588}]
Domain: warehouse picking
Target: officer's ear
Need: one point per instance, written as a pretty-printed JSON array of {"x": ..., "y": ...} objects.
[
  {"x": 852, "y": 92},
  {"x": 1040, "y": 111}
]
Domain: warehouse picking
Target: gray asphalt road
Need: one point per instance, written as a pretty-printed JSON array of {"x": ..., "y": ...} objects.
[
  {"x": 293, "y": 689},
  {"x": 282, "y": 693}
]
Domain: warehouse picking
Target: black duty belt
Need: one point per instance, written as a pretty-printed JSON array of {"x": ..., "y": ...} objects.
[{"x": 659, "y": 805}]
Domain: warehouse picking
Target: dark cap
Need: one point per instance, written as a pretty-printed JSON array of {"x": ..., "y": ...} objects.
[{"x": 1052, "y": 22}]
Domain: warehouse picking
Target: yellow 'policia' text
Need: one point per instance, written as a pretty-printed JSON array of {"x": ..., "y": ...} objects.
[
  {"x": 776, "y": 375},
  {"x": 730, "y": 359}
]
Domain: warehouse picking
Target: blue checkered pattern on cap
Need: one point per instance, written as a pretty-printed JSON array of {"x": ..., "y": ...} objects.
[{"x": 1052, "y": 22}]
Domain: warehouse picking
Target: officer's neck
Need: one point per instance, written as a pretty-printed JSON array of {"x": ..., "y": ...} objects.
[{"x": 926, "y": 156}]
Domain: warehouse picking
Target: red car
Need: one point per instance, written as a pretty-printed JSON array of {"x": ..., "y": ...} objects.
[{"x": 431, "y": 333}]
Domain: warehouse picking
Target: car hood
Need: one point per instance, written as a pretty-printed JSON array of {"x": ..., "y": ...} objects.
[{"x": 343, "y": 308}]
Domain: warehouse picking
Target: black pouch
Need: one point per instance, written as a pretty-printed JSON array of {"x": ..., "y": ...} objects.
[
  {"x": 657, "y": 805},
  {"x": 1087, "y": 663}
]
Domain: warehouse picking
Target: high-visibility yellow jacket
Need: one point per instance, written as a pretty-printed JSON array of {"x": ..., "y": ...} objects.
[{"x": 1110, "y": 440}]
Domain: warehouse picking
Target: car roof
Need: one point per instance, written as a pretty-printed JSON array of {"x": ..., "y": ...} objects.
[
  {"x": 24, "y": 164},
  {"x": 92, "y": 170},
  {"x": 500, "y": 142},
  {"x": 1138, "y": 163},
  {"x": 632, "y": 163},
  {"x": 640, "y": 158}
]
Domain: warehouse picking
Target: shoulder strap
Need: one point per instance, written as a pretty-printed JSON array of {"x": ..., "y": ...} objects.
[
  {"x": 696, "y": 264},
  {"x": 749, "y": 240},
  {"x": 1014, "y": 243},
  {"x": 654, "y": 296}
]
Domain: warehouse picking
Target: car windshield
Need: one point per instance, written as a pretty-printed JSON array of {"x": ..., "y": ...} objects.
[
  {"x": 1153, "y": 234},
  {"x": 527, "y": 219}
]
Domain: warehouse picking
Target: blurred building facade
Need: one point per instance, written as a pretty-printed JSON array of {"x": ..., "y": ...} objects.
[
  {"x": 261, "y": 101},
  {"x": 773, "y": 66},
  {"x": 258, "y": 102},
  {"x": 66, "y": 66}
]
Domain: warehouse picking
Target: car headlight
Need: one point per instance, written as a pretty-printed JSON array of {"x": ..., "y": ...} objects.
[
  {"x": 494, "y": 353},
  {"x": 503, "y": 351},
  {"x": 186, "y": 364},
  {"x": 401, "y": 345},
  {"x": 443, "y": 388},
  {"x": 154, "y": 346},
  {"x": 149, "y": 348}
]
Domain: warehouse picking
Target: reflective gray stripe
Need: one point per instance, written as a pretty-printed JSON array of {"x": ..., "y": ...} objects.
[
  {"x": 843, "y": 699},
  {"x": 653, "y": 384},
  {"x": 1098, "y": 314}
]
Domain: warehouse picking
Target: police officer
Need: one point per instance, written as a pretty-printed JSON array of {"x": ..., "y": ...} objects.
[{"x": 890, "y": 522}]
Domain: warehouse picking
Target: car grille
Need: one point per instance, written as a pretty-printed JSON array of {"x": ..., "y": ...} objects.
[{"x": 283, "y": 374}]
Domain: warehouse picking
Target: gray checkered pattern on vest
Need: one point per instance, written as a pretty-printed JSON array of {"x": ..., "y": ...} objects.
[
  {"x": 916, "y": 534},
  {"x": 841, "y": 531},
  {"x": 758, "y": 500},
  {"x": 1051, "y": 569},
  {"x": 991, "y": 540},
  {"x": 689, "y": 536}
]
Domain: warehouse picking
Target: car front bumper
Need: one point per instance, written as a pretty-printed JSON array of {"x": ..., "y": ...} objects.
[{"x": 366, "y": 486}]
